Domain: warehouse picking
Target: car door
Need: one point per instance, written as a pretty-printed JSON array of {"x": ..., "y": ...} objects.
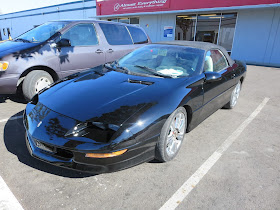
[
  {"x": 217, "y": 93},
  {"x": 119, "y": 42},
  {"x": 85, "y": 50}
]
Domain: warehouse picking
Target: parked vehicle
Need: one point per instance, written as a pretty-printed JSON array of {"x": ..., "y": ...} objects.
[
  {"x": 59, "y": 48},
  {"x": 136, "y": 109}
]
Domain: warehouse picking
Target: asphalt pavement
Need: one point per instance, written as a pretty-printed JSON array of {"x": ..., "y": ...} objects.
[{"x": 246, "y": 175}]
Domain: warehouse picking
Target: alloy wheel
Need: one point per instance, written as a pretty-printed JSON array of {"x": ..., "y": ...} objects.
[
  {"x": 175, "y": 134},
  {"x": 235, "y": 94}
]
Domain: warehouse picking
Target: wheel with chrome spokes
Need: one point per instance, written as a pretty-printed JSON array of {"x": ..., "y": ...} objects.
[
  {"x": 234, "y": 96},
  {"x": 172, "y": 135}
]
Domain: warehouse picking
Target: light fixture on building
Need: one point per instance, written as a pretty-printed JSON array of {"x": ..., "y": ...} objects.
[{"x": 208, "y": 15}]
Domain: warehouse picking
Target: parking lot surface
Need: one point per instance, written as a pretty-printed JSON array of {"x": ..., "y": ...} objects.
[{"x": 246, "y": 176}]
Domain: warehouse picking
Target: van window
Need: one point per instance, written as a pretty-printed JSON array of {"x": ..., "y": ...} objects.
[
  {"x": 81, "y": 35},
  {"x": 116, "y": 34},
  {"x": 42, "y": 32},
  {"x": 138, "y": 36}
]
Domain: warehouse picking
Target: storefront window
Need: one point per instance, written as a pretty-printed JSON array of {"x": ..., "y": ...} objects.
[
  {"x": 227, "y": 30},
  {"x": 134, "y": 20},
  {"x": 185, "y": 27},
  {"x": 216, "y": 28},
  {"x": 207, "y": 28},
  {"x": 114, "y": 19},
  {"x": 124, "y": 20}
]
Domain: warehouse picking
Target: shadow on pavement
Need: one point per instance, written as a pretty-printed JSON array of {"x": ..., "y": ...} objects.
[
  {"x": 14, "y": 139},
  {"x": 15, "y": 98}
]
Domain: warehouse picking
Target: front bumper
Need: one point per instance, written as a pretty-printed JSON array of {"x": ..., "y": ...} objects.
[
  {"x": 142, "y": 152},
  {"x": 8, "y": 83}
]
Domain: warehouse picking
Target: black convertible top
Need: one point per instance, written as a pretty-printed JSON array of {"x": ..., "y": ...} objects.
[{"x": 200, "y": 45}]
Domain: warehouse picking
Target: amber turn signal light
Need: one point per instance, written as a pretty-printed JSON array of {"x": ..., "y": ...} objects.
[
  {"x": 105, "y": 155},
  {"x": 4, "y": 66}
]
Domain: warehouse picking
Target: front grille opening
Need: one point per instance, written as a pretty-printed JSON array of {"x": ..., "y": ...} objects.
[{"x": 64, "y": 153}]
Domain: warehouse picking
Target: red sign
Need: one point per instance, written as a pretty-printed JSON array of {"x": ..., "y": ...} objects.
[
  {"x": 130, "y": 6},
  {"x": 114, "y": 7}
]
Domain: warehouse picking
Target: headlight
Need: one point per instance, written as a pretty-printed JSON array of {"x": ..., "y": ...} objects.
[
  {"x": 97, "y": 131},
  {"x": 4, "y": 65}
]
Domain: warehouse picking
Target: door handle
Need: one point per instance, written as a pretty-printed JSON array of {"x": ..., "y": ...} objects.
[
  {"x": 232, "y": 76},
  {"x": 98, "y": 51},
  {"x": 110, "y": 51}
]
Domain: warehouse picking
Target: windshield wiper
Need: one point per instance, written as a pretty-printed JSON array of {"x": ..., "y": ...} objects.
[
  {"x": 23, "y": 40},
  {"x": 117, "y": 68},
  {"x": 153, "y": 71}
]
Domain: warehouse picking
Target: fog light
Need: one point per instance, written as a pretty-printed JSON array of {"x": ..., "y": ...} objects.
[{"x": 105, "y": 155}]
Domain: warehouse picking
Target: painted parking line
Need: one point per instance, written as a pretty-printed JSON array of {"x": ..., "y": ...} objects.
[
  {"x": 7, "y": 198},
  {"x": 12, "y": 118},
  {"x": 187, "y": 187}
]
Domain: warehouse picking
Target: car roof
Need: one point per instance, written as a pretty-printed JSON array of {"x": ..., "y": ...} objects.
[
  {"x": 200, "y": 45},
  {"x": 89, "y": 21}
]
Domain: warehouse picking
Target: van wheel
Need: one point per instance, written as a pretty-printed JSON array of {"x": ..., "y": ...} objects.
[{"x": 35, "y": 81}]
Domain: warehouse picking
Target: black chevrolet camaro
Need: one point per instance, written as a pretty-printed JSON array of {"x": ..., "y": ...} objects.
[{"x": 133, "y": 110}]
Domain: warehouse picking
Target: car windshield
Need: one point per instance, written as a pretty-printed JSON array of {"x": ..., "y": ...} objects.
[
  {"x": 164, "y": 60},
  {"x": 42, "y": 32}
]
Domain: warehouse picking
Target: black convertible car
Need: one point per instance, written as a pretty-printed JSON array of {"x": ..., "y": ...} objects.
[{"x": 133, "y": 110}]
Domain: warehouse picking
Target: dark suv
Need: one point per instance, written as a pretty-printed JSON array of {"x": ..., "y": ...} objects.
[{"x": 59, "y": 48}]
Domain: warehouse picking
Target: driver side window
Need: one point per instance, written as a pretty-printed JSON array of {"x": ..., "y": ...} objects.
[
  {"x": 81, "y": 35},
  {"x": 215, "y": 61}
]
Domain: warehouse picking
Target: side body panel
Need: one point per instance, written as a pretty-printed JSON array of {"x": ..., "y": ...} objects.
[
  {"x": 217, "y": 94},
  {"x": 77, "y": 58}
]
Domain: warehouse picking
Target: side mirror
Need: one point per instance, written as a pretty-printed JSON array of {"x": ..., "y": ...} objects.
[
  {"x": 63, "y": 43},
  {"x": 212, "y": 76}
]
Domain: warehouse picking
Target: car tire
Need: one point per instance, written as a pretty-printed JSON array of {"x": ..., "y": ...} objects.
[
  {"x": 35, "y": 81},
  {"x": 234, "y": 97},
  {"x": 171, "y": 139}
]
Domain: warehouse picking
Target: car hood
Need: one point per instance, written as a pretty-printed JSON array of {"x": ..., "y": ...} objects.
[
  {"x": 111, "y": 98},
  {"x": 9, "y": 47}
]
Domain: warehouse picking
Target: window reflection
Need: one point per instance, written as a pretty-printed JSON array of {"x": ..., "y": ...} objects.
[
  {"x": 185, "y": 27},
  {"x": 207, "y": 28},
  {"x": 217, "y": 28},
  {"x": 124, "y": 20},
  {"x": 227, "y": 30},
  {"x": 127, "y": 20}
]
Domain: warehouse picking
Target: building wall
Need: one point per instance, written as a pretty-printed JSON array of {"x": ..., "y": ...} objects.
[
  {"x": 156, "y": 23},
  {"x": 19, "y": 22},
  {"x": 257, "y": 37}
]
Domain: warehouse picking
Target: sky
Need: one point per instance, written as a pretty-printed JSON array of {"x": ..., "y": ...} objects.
[{"x": 9, "y": 6}]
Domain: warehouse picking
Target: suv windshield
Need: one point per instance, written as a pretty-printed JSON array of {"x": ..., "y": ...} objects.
[
  {"x": 164, "y": 60},
  {"x": 42, "y": 32}
]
